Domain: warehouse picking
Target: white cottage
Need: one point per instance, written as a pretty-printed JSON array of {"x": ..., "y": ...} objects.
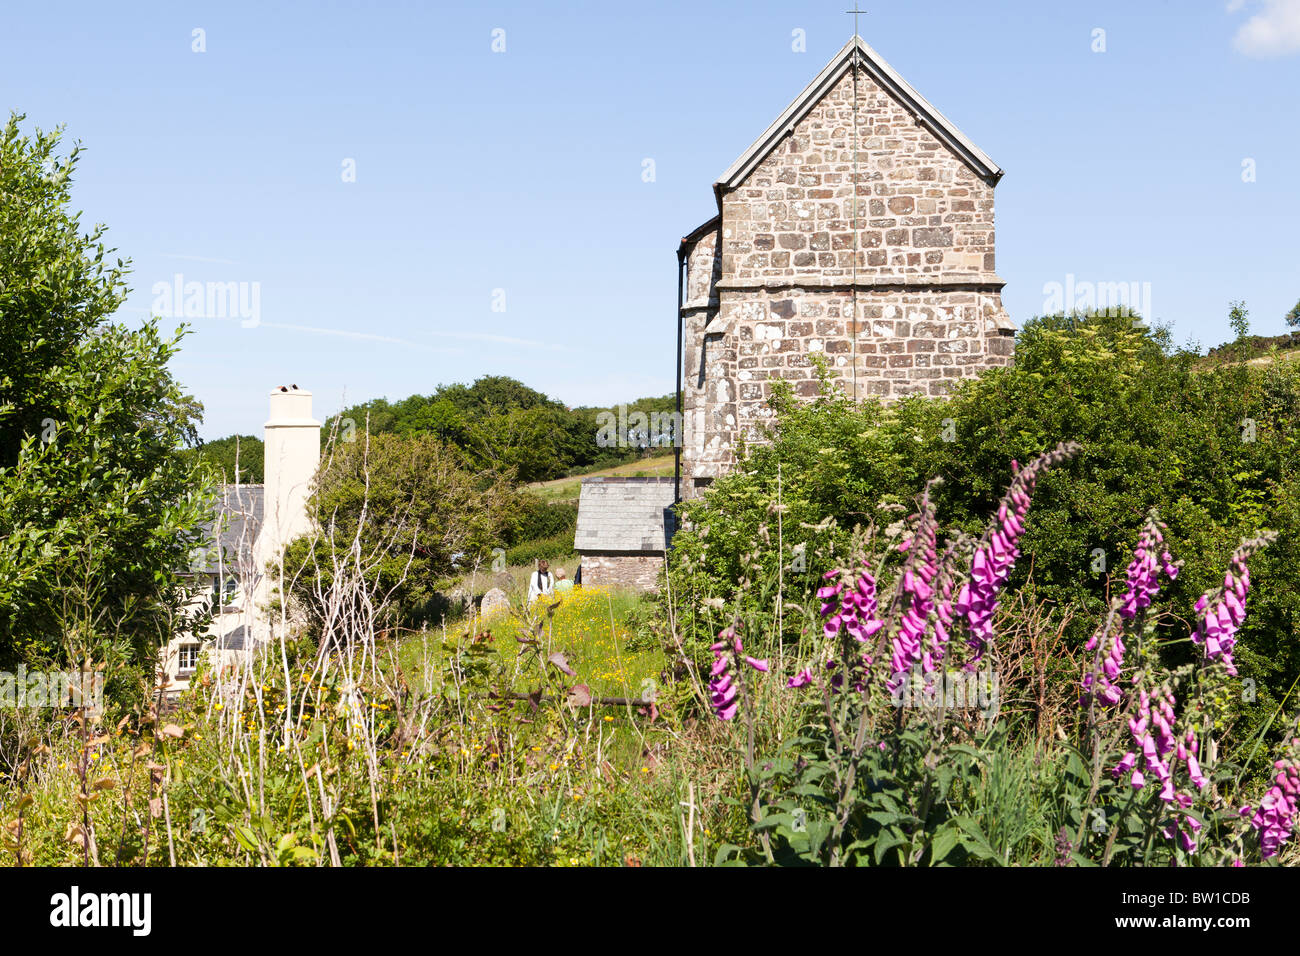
[{"x": 255, "y": 523}]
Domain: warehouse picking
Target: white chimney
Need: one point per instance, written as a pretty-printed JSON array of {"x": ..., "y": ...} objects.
[{"x": 292, "y": 455}]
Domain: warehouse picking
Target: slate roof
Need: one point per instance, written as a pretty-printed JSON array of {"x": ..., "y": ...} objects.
[
  {"x": 236, "y": 640},
  {"x": 239, "y": 513},
  {"x": 624, "y": 515}
]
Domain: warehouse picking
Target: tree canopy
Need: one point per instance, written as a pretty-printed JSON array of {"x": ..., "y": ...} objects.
[
  {"x": 502, "y": 424},
  {"x": 99, "y": 509},
  {"x": 406, "y": 513}
]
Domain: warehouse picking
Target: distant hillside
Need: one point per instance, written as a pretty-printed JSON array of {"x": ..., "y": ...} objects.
[
  {"x": 568, "y": 489},
  {"x": 1254, "y": 347},
  {"x": 498, "y": 423},
  {"x": 223, "y": 452}
]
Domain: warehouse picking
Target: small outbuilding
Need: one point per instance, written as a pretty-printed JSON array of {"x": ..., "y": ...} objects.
[{"x": 625, "y": 525}]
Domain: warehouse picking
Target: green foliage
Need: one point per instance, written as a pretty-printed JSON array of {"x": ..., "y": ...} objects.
[
  {"x": 1274, "y": 348},
  {"x": 630, "y": 430},
  {"x": 1238, "y": 320},
  {"x": 893, "y": 769},
  {"x": 534, "y": 444},
  {"x": 534, "y": 518},
  {"x": 500, "y": 423},
  {"x": 494, "y": 395},
  {"x": 1293, "y": 317},
  {"x": 223, "y": 454},
  {"x": 58, "y": 284},
  {"x": 300, "y": 760},
  {"x": 1214, "y": 448},
  {"x": 555, "y": 546},
  {"x": 410, "y": 507},
  {"x": 98, "y": 507}
]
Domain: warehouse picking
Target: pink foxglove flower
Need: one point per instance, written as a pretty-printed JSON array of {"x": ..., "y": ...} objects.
[
  {"x": 850, "y": 605},
  {"x": 1185, "y": 830},
  {"x": 943, "y": 616},
  {"x": 1222, "y": 610},
  {"x": 1161, "y": 749},
  {"x": 801, "y": 679},
  {"x": 1275, "y": 817},
  {"x": 1143, "y": 576},
  {"x": 1153, "y": 738},
  {"x": 1189, "y": 756},
  {"x": 1104, "y": 686},
  {"x": 722, "y": 689},
  {"x": 996, "y": 553},
  {"x": 849, "y": 608},
  {"x": 915, "y": 597}
]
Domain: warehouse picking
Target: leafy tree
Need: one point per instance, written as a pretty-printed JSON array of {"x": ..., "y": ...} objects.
[
  {"x": 1238, "y": 320},
  {"x": 99, "y": 509},
  {"x": 59, "y": 284},
  {"x": 533, "y": 519},
  {"x": 223, "y": 454},
  {"x": 536, "y": 444},
  {"x": 500, "y": 423},
  {"x": 1293, "y": 317},
  {"x": 407, "y": 511},
  {"x": 376, "y": 416},
  {"x": 494, "y": 394}
]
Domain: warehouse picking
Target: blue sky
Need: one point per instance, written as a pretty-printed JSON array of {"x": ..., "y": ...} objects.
[{"x": 487, "y": 179}]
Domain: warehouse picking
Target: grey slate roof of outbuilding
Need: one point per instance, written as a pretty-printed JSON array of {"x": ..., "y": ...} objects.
[
  {"x": 240, "y": 512},
  {"x": 624, "y": 515}
]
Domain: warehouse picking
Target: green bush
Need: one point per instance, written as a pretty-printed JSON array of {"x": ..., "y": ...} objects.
[
  {"x": 556, "y": 546},
  {"x": 224, "y": 454},
  {"x": 99, "y": 507},
  {"x": 393, "y": 514},
  {"x": 1214, "y": 448},
  {"x": 500, "y": 423},
  {"x": 534, "y": 519}
]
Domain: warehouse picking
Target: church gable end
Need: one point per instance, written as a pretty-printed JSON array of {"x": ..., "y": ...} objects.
[
  {"x": 900, "y": 298},
  {"x": 921, "y": 208}
]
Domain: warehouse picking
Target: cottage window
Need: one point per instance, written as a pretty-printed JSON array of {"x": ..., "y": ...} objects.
[
  {"x": 223, "y": 589},
  {"x": 187, "y": 656}
]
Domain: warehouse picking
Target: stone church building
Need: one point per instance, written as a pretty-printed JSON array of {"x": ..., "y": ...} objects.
[{"x": 900, "y": 295}]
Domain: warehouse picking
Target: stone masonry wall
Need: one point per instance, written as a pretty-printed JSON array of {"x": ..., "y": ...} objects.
[
  {"x": 922, "y": 209},
  {"x": 636, "y": 572},
  {"x": 929, "y": 308},
  {"x": 906, "y": 343},
  {"x": 707, "y": 407}
]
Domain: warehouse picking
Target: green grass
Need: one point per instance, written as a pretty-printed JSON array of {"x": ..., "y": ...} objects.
[
  {"x": 589, "y": 627},
  {"x": 513, "y": 580}
]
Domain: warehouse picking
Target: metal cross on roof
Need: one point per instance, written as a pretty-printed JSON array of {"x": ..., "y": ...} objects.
[{"x": 855, "y": 11}]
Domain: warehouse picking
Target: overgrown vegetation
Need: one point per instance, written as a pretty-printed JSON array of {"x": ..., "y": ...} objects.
[
  {"x": 237, "y": 459},
  {"x": 99, "y": 509},
  {"x": 1215, "y": 449},
  {"x": 1048, "y": 621},
  {"x": 402, "y": 513}
]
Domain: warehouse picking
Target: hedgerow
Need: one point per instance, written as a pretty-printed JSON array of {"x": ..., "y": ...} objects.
[{"x": 1215, "y": 449}]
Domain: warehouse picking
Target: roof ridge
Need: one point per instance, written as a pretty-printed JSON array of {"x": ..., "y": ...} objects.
[{"x": 857, "y": 49}]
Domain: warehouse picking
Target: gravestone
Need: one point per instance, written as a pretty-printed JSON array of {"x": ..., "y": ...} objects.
[{"x": 493, "y": 601}]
